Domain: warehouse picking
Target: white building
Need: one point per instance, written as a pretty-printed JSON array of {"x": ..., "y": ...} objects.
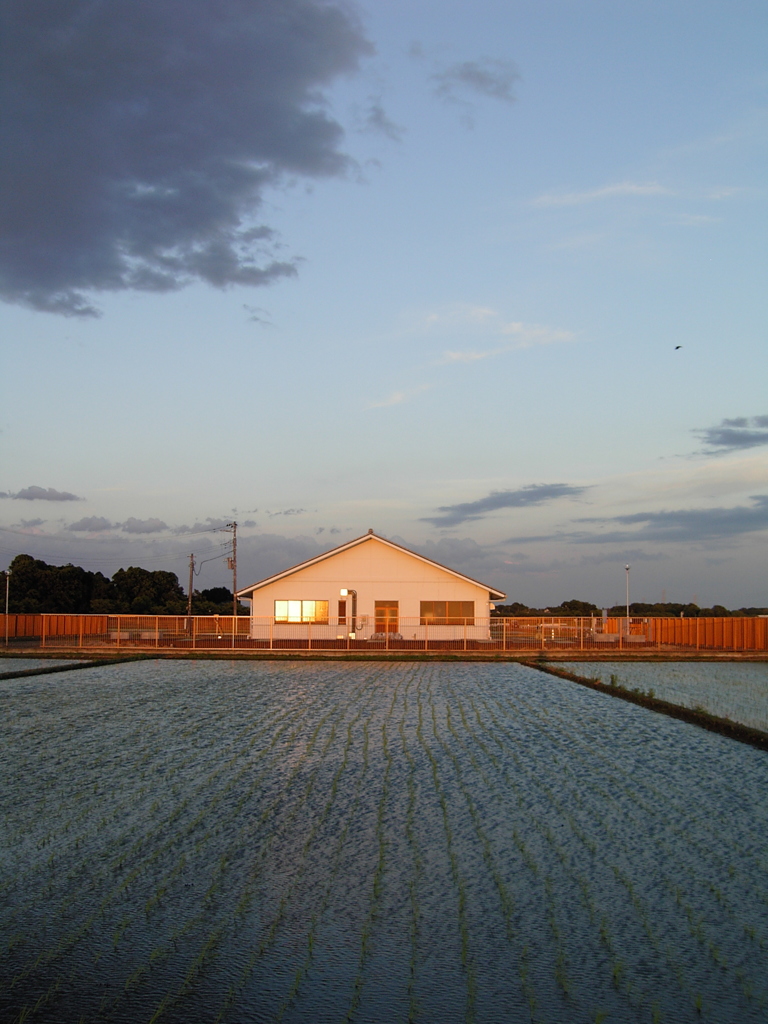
[{"x": 370, "y": 588}]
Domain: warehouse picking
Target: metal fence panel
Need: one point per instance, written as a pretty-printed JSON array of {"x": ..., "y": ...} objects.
[{"x": 532, "y": 633}]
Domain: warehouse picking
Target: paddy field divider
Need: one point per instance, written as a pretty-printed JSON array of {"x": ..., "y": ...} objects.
[{"x": 694, "y": 716}]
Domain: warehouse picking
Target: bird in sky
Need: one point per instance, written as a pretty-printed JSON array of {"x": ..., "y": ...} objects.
[{"x": 677, "y": 347}]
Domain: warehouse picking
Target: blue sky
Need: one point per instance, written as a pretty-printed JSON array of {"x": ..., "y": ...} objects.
[{"x": 483, "y": 231}]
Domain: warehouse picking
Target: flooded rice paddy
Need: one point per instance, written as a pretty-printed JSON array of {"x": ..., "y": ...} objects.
[
  {"x": 376, "y": 843},
  {"x": 735, "y": 690}
]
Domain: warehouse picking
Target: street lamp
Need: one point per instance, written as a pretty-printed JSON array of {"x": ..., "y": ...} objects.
[
  {"x": 346, "y": 592},
  {"x": 627, "y": 570}
]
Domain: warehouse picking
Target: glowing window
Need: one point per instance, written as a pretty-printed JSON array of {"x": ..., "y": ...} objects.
[{"x": 301, "y": 611}]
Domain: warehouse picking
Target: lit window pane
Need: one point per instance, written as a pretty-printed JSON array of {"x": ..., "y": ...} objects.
[
  {"x": 321, "y": 611},
  {"x": 294, "y": 611}
]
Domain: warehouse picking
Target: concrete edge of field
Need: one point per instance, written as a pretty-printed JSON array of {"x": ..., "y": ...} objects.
[{"x": 102, "y": 655}]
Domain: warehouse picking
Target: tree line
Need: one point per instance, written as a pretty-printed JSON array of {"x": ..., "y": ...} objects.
[
  {"x": 640, "y": 609},
  {"x": 37, "y": 587}
]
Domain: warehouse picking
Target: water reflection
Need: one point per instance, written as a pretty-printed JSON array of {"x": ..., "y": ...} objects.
[{"x": 261, "y": 842}]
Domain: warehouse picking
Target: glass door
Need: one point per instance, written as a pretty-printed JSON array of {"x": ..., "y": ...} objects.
[{"x": 387, "y": 619}]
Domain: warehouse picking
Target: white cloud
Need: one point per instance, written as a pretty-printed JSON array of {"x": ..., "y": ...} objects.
[
  {"x": 726, "y": 192},
  {"x": 458, "y": 315},
  {"x": 622, "y": 188},
  {"x": 470, "y": 357},
  {"x": 524, "y": 335},
  {"x": 536, "y": 334},
  {"x": 398, "y": 397}
]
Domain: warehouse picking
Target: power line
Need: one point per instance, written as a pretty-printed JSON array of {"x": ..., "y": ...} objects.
[{"x": 51, "y": 544}]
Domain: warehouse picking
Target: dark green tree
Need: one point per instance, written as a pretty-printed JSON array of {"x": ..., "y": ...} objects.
[
  {"x": 39, "y": 587},
  {"x": 215, "y": 601},
  {"x": 141, "y": 592}
]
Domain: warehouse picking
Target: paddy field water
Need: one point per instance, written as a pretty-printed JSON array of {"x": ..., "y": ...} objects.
[
  {"x": 735, "y": 690},
  {"x": 372, "y": 842}
]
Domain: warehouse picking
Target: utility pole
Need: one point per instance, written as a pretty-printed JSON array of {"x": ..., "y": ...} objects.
[
  {"x": 233, "y": 565},
  {"x": 7, "y": 587},
  {"x": 191, "y": 583}
]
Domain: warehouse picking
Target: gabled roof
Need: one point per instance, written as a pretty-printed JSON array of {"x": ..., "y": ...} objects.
[{"x": 495, "y": 595}]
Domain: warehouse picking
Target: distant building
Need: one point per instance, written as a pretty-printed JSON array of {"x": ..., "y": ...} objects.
[{"x": 370, "y": 587}]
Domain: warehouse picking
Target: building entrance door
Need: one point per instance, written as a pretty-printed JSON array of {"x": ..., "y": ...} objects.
[{"x": 387, "y": 620}]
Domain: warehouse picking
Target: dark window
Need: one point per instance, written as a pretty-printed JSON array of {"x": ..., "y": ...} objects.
[
  {"x": 342, "y": 613},
  {"x": 447, "y": 613}
]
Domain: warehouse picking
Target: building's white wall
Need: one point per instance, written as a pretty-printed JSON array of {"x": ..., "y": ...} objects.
[{"x": 378, "y": 573}]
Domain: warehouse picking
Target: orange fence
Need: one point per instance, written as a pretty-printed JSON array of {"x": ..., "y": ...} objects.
[{"x": 202, "y": 632}]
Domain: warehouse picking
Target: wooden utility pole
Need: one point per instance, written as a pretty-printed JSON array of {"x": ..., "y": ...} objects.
[
  {"x": 234, "y": 569},
  {"x": 191, "y": 583},
  {"x": 233, "y": 565}
]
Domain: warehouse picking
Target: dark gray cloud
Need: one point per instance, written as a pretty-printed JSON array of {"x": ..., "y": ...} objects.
[
  {"x": 625, "y": 555},
  {"x": 536, "y": 538},
  {"x": 43, "y": 494},
  {"x": 534, "y": 494},
  {"x": 91, "y": 524},
  {"x": 30, "y": 524},
  {"x": 485, "y": 77},
  {"x": 144, "y": 525},
  {"x": 138, "y": 137},
  {"x": 688, "y": 524},
  {"x": 736, "y": 434},
  {"x": 207, "y": 527}
]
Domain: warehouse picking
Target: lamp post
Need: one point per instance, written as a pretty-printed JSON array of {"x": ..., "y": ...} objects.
[
  {"x": 7, "y": 587},
  {"x": 627, "y": 571},
  {"x": 346, "y": 592}
]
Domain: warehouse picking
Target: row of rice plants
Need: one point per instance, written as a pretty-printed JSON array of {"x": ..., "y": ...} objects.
[
  {"x": 134, "y": 873},
  {"x": 561, "y": 976},
  {"x": 84, "y": 927},
  {"x": 603, "y": 826},
  {"x": 654, "y": 939},
  {"x": 163, "y": 950},
  {"x": 680, "y": 810},
  {"x": 457, "y": 876},
  {"x": 377, "y": 881},
  {"x": 293, "y": 810},
  {"x": 330, "y": 877},
  {"x": 217, "y": 933},
  {"x": 479, "y": 738},
  {"x": 706, "y": 853},
  {"x": 619, "y": 976},
  {"x": 417, "y": 870},
  {"x": 506, "y": 899},
  {"x": 85, "y": 865},
  {"x": 273, "y": 925}
]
